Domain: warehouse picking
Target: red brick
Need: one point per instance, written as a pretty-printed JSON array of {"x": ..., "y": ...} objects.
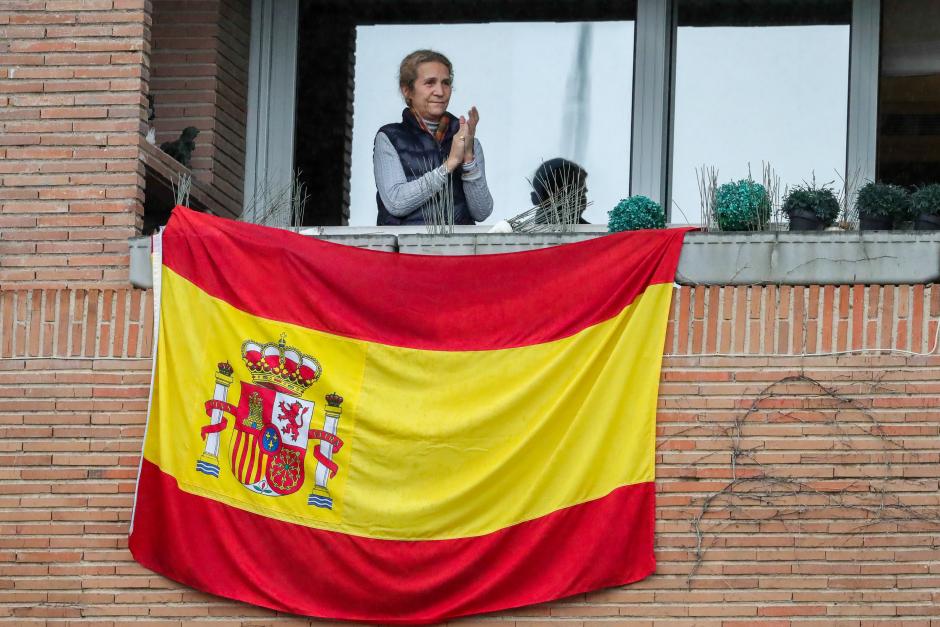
[
  {"x": 858, "y": 316},
  {"x": 887, "y": 316},
  {"x": 39, "y": 153},
  {"x": 74, "y": 113},
  {"x": 917, "y": 319},
  {"x": 18, "y": 139},
  {"x": 711, "y": 327},
  {"x": 740, "y": 315}
]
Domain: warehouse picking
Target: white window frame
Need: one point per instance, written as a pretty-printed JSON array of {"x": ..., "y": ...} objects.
[
  {"x": 272, "y": 88},
  {"x": 862, "y": 141},
  {"x": 654, "y": 67}
]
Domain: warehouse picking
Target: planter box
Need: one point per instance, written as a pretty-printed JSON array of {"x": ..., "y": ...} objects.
[{"x": 805, "y": 258}]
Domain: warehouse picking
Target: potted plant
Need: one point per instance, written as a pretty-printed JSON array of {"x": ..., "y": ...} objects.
[
  {"x": 742, "y": 206},
  {"x": 925, "y": 205},
  {"x": 880, "y": 205},
  {"x": 811, "y": 208},
  {"x": 635, "y": 213}
]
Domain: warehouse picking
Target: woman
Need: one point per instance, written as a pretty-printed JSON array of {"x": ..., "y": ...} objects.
[{"x": 414, "y": 158}]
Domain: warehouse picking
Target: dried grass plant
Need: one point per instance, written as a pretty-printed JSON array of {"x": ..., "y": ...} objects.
[
  {"x": 771, "y": 182},
  {"x": 438, "y": 211},
  {"x": 561, "y": 209},
  {"x": 278, "y": 206},
  {"x": 181, "y": 188},
  {"x": 848, "y": 189},
  {"x": 707, "y": 178}
]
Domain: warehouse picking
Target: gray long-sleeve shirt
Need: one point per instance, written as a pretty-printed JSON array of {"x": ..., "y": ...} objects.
[{"x": 402, "y": 196}]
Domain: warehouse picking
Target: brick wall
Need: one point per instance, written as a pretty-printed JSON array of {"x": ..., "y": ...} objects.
[
  {"x": 788, "y": 320},
  {"x": 73, "y": 74},
  {"x": 200, "y": 78},
  {"x": 791, "y": 488},
  {"x": 71, "y": 190}
]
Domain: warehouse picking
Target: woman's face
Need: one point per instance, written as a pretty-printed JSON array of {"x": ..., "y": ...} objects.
[{"x": 430, "y": 92}]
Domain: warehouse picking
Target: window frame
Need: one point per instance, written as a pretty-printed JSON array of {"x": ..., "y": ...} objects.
[{"x": 273, "y": 70}]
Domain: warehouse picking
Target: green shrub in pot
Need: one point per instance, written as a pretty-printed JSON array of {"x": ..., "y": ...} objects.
[
  {"x": 925, "y": 206},
  {"x": 636, "y": 213},
  {"x": 881, "y": 205},
  {"x": 742, "y": 206},
  {"x": 811, "y": 208}
]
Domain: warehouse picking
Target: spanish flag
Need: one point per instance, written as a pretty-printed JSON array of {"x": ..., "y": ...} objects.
[{"x": 395, "y": 438}]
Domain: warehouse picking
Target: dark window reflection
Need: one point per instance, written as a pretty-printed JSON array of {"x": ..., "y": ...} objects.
[{"x": 909, "y": 97}]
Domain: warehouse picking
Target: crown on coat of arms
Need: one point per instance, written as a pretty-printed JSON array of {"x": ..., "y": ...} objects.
[{"x": 280, "y": 365}]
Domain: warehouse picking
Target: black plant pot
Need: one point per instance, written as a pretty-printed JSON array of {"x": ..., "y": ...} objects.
[
  {"x": 927, "y": 222},
  {"x": 875, "y": 223},
  {"x": 801, "y": 220}
]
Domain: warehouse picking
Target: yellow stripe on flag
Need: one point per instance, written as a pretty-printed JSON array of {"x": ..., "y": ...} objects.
[{"x": 469, "y": 427}]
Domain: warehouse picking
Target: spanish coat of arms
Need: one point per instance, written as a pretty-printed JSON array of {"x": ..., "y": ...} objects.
[{"x": 272, "y": 424}]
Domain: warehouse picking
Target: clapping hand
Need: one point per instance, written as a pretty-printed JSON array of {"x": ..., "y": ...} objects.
[
  {"x": 473, "y": 117},
  {"x": 461, "y": 148},
  {"x": 457, "y": 149}
]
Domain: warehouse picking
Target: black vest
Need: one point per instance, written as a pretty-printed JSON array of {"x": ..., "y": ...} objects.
[{"x": 420, "y": 153}]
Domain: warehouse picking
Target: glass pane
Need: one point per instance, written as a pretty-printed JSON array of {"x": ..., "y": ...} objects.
[
  {"x": 909, "y": 108},
  {"x": 543, "y": 90},
  {"x": 747, "y": 94}
]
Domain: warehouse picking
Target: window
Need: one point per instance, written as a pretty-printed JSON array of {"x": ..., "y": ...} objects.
[
  {"x": 726, "y": 83},
  {"x": 759, "y": 82},
  {"x": 512, "y": 60},
  {"x": 543, "y": 90}
]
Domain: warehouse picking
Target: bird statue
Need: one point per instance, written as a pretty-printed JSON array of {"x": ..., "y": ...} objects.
[{"x": 182, "y": 148}]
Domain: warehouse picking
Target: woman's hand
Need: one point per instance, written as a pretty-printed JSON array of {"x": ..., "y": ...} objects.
[
  {"x": 458, "y": 147},
  {"x": 472, "y": 118}
]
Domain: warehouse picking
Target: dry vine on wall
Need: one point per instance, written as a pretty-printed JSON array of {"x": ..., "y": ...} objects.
[{"x": 770, "y": 490}]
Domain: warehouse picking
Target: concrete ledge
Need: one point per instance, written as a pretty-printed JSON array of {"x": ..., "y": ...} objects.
[
  {"x": 773, "y": 257},
  {"x": 375, "y": 241},
  {"x": 806, "y": 258},
  {"x": 486, "y": 243}
]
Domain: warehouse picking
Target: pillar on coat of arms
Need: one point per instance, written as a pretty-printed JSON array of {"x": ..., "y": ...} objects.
[
  {"x": 320, "y": 496},
  {"x": 208, "y": 462}
]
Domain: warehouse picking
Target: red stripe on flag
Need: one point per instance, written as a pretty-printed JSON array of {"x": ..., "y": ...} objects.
[
  {"x": 252, "y": 465},
  {"x": 419, "y": 301},
  {"x": 216, "y": 548},
  {"x": 240, "y": 447},
  {"x": 259, "y": 465}
]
